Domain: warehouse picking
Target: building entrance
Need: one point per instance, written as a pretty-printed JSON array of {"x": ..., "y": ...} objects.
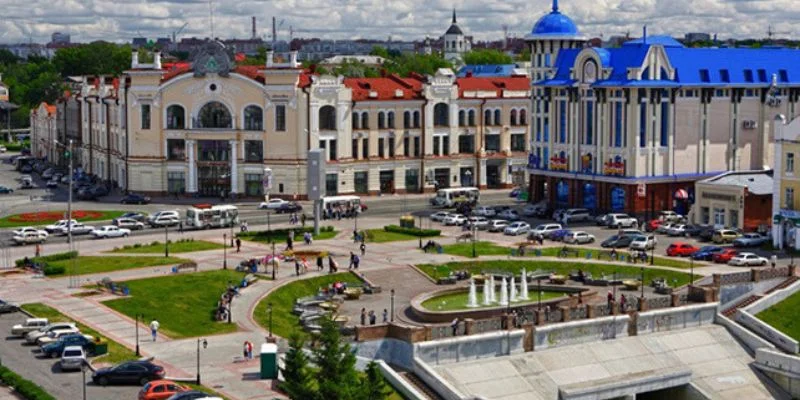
[{"x": 213, "y": 179}]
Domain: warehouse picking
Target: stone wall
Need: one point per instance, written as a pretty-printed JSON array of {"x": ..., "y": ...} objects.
[
  {"x": 675, "y": 318},
  {"x": 439, "y": 385},
  {"x": 487, "y": 345},
  {"x": 747, "y": 317},
  {"x": 576, "y": 332},
  {"x": 783, "y": 369},
  {"x": 393, "y": 351},
  {"x": 398, "y": 383},
  {"x": 750, "y": 339}
]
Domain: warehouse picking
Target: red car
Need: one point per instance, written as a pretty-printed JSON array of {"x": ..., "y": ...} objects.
[
  {"x": 160, "y": 390},
  {"x": 724, "y": 256},
  {"x": 653, "y": 224},
  {"x": 681, "y": 249}
]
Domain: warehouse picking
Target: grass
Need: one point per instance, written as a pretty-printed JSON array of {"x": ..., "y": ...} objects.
[
  {"x": 565, "y": 267},
  {"x": 284, "y": 323},
  {"x": 183, "y": 304},
  {"x": 783, "y": 316},
  {"x": 481, "y": 249},
  {"x": 96, "y": 264},
  {"x": 204, "y": 389},
  {"x": 279, "y": 235},
  {"x": 458, "y": 301},
  {"x": 117, "y": 353},
  {"x": 382, "y": 236},
  {"x": 181, "y": 246},
  {"x": 13, "y": 221}
]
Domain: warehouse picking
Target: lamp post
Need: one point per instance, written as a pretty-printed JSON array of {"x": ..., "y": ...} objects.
[
  {"x": 272, "y": 261},
  {"x": 69, "y": 155},
  {"x": 137, "y": 335},
  {"x": 653, "y": 252},
  {"x": 224, "y": 251},
  {"x": 642, "y": 271},
  {"x": 691, "y": 270},
  {"x": 205, "y": 346},
  {"x": 166, "y": 241},
  {"x": 231, "y": 234},
  {"x": 83, "y": 375},
  {"x": 391, "y": 297},
  {"x": 269, "y": 310},
  {"x": 269, "y": 225},
  {"x": 474, "y": 238}
]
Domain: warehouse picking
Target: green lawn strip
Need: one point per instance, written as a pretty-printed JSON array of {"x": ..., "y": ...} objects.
[
  {"x": 105, "y": 216},
  {"x": 284, "y": 323},
  {"x": 183, "y": 304},
  {"x": 96, "y": 264},
  {"x": 559, "y": 267},
  {"x": 24, "y": 388},
  {"x": 458, "y": 301},
  {"x": 182, "y": 246},
  {"x": 481, "y": 249},
  {"x": 116, "y": 352},
  {"x": 382, "y": 236},
  {"x": 783, "y": 316},
  {"x": 280, "y": 235}
]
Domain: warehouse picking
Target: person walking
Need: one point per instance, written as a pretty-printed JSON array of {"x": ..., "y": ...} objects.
[
  {"x": 38, "y": 251},
  {"x": 297, "y": 267},
  {"x": 154, "y": 329},
  {"x": 356, "y": 262},
  {"x": 180, "y": 226},
  {"x": 773, "y": 260},
  {"x": 610, "y": 298},
  {"x": 454, "y": 326},
  {"x": 289, "y": 239},
  {"x": 238, "y": 244},
  {"x": 303, "y": 219},
  {"x": 372, "y": 317},
  {"x": 244, "y": 351},
  {"x": 385, "y": 316},
  {"x": 363, "y": 248},
  {"x": 320, "y": 265},
  {"x": 363, "y": 316},
  {"x": 352, "y": 261},
  {"x": 622, "y": 304}
]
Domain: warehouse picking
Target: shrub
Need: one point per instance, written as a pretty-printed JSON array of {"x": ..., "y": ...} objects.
[
  {"x": 51, "y": 270},
  {"x": 413, "y": 231},
  {"x": 25, "y": 388},
  {"x": 49, "y": 258},
  {"x": 155, "y": 243},
  {"x": 137, "y": 245},
  {"x": 280, "y": 234}
]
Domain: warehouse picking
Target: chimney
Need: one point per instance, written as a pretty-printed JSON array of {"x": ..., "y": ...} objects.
[
  {"x": 293, "y": 59},
  {"x": 270, "y": 58},
  {"x": 157, "y": 60},
  {"x": 135, "y": 59}
]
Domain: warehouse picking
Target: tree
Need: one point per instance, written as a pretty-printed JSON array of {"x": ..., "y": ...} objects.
[
  {"x": 298, "y": 376},
  {"x": 379, "y": 51},
  {"x": 425, "y": 64},
  {"x": 96, "y": 58},
  {"x": 7, "y": 57},
  {"x": 487, "y": 57},
  {"x": 337, "y": 378},
  {"x": 373, "y": 383}
]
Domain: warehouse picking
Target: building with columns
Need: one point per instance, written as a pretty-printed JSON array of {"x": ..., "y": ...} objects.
[{"x": 630, "y": 129}]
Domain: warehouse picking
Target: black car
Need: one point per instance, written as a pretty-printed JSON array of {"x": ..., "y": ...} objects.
[
  {"x": 6, "y": 190},
  {"x": 133, "y": 198},
  {"x": 6, "y": 307},
  {"x": 706, "y": 234},
  {"x": 92, "y": 193},
  {"x": 133, "y": 215},
  {"x": 190, "y": 395},
  {"x": 617, "y": 241},
  {"x": 696, "y": 230},
  {"x": 131, "y": 373},
  {"x": 288, "y": 208}
]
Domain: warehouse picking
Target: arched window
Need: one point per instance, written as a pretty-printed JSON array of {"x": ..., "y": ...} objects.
[
  {"x": 176, "y": 117},
  {"x": 407, "y": 119},
  {"x": 355, "y": 120},
  {"x": 461, "y": 117},
  {"x": 487, "y": 118},
  {"x": 390, "y": 119},
  {"x": 253, "y": 118},
  {"x": 214, "y": 115},
  {"x": 365, "y": 120},
  {"x": 440, "y": 115},
  {"x": 513, "y": 118},
  {"x": 327, "y": 118},
  {"x": 523, "y": 117},
  {"x": 497, "y": 117},
  {"x": 471, "y": 118},
  {"x": 381, "y": 120},
  {"x": 416, "y": 119}
]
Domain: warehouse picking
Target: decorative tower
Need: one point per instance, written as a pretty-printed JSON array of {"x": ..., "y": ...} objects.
[{"x": 455, "y": 44}]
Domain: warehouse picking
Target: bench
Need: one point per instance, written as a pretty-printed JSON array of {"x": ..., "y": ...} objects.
[{"x": 181, "y": 267}]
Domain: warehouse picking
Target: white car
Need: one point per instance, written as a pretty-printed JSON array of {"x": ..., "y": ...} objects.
[
  {"x": 53, "y": 336},
  {"x": 164, "y": 220},
  {"x": 748, "y": 259},
  {"x": 665, "y": 227},
  {"x": 30, "y": 325},
  {"x": 31, "y": 337},
  {"x": 616, "y": 221},
  {"x": 455, "y": 219},
  {"x": 30, "y": 229},
  {"x": 670, "y": 216},
  {"x": 29, "y": 238},
  {"x": 484, "y": 211},
  {"x": 110, "y": 231},
  {"x": 162, "y": 214},
  {"x": 129, "y": 223},
  {"x": 73, "y": 358},
  {"x": 439, "y": 216},
  {"x": 531, "y": 210},
  {"x": 272, "y": 204},
  {"x": 479, "y": 223},
  {"x": 77, "y": 229},
  {"x": 58, "y": 226},
  {"x": 644, "y": 242},
  {"x": 509, "y": 215},
  {"x": 579, "y": 237},
  {"x": 677, "y": 230},
  {"x": 497, "y": 225},
  {"x": 546, "y": 229},
  {"x": 517, "y": 228}
]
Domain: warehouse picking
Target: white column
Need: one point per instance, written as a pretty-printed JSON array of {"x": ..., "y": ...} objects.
[
  {"x": 234, "y": 166},
  {"x": 191, "y": 184}
]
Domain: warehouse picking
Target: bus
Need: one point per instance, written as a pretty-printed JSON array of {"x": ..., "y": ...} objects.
[
  {"x": 204, "y": 216},
  {"x": 454, "y": 196},
  {"x": 332, "y": 202}
]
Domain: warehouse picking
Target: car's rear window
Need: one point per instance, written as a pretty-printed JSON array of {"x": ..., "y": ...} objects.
[{"x": 72, "y": 353}]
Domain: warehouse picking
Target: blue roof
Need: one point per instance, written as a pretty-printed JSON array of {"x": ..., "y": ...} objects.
[
  {"x": 487, "y": 71},
  {"x": 664, "y": 40},
  {"x": 555, "y": 24}
]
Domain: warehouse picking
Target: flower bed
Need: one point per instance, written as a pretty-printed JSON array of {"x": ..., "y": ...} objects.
[{"x": 48, "y": 217}]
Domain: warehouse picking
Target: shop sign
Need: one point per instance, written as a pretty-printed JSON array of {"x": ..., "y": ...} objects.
[{"x": 559, "y": 164}]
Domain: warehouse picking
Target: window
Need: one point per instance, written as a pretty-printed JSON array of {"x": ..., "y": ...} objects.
[
  {"x": 471, "y": 118},
  {"x": 412, "y": 180},
  {"x": 331, "y": 184},
  {"x": 762, "y": 75},
  {"x": 176, "y": 182},
  {"x": 518, "y": 142},
  {"x": 214, "y": 115},
  {"x": 789, "y": 163},
  {"x": 748, "y": 75},
  {"x": 213, "y": 150},
  {"x": 253, "y": 151},
  {"x": 176, "y": 117},
  {"x": 354, "y": 148},
  {"x": 365, "y": 148},
  {"x": 436, "y": 141},
  {"x": 332, "y": 150},
  {"x": 390, "y": 119},
  {"x": 562, "y": 121},
  {"x": 406, "y": 146},
  {"x": 724, "y": 75},
  {"x": 365, "y": 120},
  {"x": 461, "y": 117},
  {"x": 733, "y": 218},
  {"x": 664, "y": 123},
  {"x": 407, "y": 120},
  {"x": 416, "y": 146},
  {"x": 416, "y": 119},
  {"x": 513, "y": 118},
  {"x": 253, "y": 184},
  {"x": 704, "y": 215},
  {"x": 391, "y": 147},
  {"x": 704, "y": 76},
  {"x": 280, "y": 118},
  {"x": 618, "y": 118},
  {"x": 327, "y": 118},
  {"x": 719, "y": 216},
  {"x": 487, "y": 118},
  {"x": 523, "y": 117},
  {"x": 176, "y": 149},
  {"x": 145, "y": 116},
  {"x": 440, "y": 115},
  {"x": 381, "y": 143},
  {"x": 589, "y": 122},
  {"x": 466, "y": 144},
  {"x": 360, "y": 182},
  {"x": 381, "y": 120},
  {"x": 492, "y": 143},
  {"x": 642, "y": 124},
  {"x": 788, "y": 199},
  {"x": 445, "y": 145},
  {"x": 253, "y": 118},
  {"x": 497, "y": 117},
  {"x": 355, "y": 121}
]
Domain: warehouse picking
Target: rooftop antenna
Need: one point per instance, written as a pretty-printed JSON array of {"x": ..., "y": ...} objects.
[
  {"x": 211, "y": 17},
  {"x": 644, "y": 34},
  {"x": 505, "y": 36}
]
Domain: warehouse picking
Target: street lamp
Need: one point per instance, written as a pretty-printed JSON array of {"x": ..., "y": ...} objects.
[
  {"x": 269, "y": 310},
  {"x": 691, "y": 270},
  {"x": 69, "y": 155},
  {"x": 273, "y": 261},
  {"x": 205, "y": 346},
  {"x": 137, "y": 334},
  {"x": 83, "y": 374},
  {"x": 642, "y": 271},
  {"x": 392, "y": 305},
  {"x": 231, "y": 234},
  {"x": 166, "y": 240},
  {"x": 224, "y": 251}
]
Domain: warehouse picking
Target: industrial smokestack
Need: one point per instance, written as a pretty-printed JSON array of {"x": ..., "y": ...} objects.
[
  {"x": 274, "y": 33},
  {"x": 253, "y": 36}
]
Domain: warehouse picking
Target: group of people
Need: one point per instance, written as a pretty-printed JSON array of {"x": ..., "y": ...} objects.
[
  {"x": 223, "y": 306},
  {"x": 340, "y": 211},
  {"x": 294, "y": 219},
  {"x": 372, "y": 317},
  {"x": 623, "y": 301}
]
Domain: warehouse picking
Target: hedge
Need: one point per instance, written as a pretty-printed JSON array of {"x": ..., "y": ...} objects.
[
  {"x": 280, "y": 234},
  {"x": 413, "y": 231},
  {"x": 43, "y": 262},
  {"x": 25, "y": 388}
]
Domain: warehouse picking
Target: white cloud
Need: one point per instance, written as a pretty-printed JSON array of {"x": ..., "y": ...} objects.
[{"x": 89, "y": 20}]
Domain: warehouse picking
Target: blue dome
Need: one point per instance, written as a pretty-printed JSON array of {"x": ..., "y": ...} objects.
[{"x": 555, "y": 23}]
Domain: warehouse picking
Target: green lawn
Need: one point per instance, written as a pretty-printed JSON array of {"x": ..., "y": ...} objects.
[
  {"x": 783, "y": 316},
  {"x": 284, "y": 322},
  {"x": 185, "y": 246},
  {"x": 184, "y": 304},
  {"x": 116, "y": 352},
  {"x": 95, "y": 264},
  {"x": 481, "y": 249},
  {"x": 560, "y": 267},
  {"x": 382, "y": 236},
  {"x": 49, "y": 217},
  {"x": 458, "y": 301},
  {"x": 280, "y": 235}
]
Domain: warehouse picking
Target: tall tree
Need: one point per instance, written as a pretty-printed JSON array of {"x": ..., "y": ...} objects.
[
  {"x": 96, "y": 58},
  {"x": 298, "y": 376},
  {"x": 487, "y": 57},
  {"x": 373, "y": 383},
  {"x": 425, "y": 64},
  {"x": 337, "y": 378}
]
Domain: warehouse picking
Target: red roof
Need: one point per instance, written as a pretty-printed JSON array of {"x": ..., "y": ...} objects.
[
  {"x": 498, "y": 85},
  {"x": 50, "y": 109},
  {"x": 384, "y": 88}
]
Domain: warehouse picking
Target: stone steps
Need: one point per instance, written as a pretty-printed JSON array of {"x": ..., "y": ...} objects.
[
  {"x": 788, "y": 282},
  {"x": 421, "y": 386},
  {"x": 730, "y": 312}
]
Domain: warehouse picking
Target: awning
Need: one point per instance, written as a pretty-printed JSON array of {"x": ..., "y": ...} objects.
[{"x": 681, "y": 194}]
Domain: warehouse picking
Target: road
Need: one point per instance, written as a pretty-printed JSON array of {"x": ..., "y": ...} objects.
[{"x": 45, "y": 372}]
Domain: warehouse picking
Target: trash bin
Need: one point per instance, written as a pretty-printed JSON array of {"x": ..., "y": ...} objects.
[{"x": 269, "y": 361}]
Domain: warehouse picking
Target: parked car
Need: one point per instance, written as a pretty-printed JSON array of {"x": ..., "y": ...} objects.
[
  {"x": 77, "y": 229},
  {"x": 643, "y": 242},
  {"x": 517, "y": 228},
  {"x": 56, "y": 335},
  {"x": 578, "y": 237},
  {"x": 706, "y": 234},
  {"x": 617, "y": 241},
  {"x": 616, "y": 221},
  {"x": 48, "y": 173},
  {"x": 289, "y": 207},
  {"x": 31, "y": 229},
  {"x": 530, "y": 210},
  {"x": 576, "y": 215},
  {"x": 28, "y": 238},
  {"x": 479, "y": 223},
  {"x": 134, "y": 215},
  {"x": 558, "y": 234},
  {"x": 652, "y": 225},
  {"x": 515, "y": 192},
  {"x": 601, "y": 220},
  {"x": 677, "y": 230},
  {"x": 558, "y": 214},
  {"x": 680, "y": 249},
  {"x": 59, "y": 225},
  {"x": 128, "y": 223},
  {"x": 545, "y": 229},
  {"x": 697, "y": 230},
  {"x": 32, "y": 336},
  {"x": 497, "y": 225},
  {"x": 706, "y": 253},
  {"x": 133, "y": 198},
  {"x": 509, "y": 215},
  {"x": 6, "y": 307},
  {"x": 160, "y": 390},
  {"x": 725, "y": 236},
  {"x": 192, "y": 395},
  {"x": 131, "y": 372},
  {"x": 484, "y": 211},
  {"x": 6, "y": 190},
  {"x": 724, "y": 255},
  {"x": 670, "y": 216},
  {"x": 664, "y": 228},
  {"x": 164, "y": 220},
  {"x": 748, "y": 259},
  {"x": 750, "y": 240},
  {"x": 272, "y": 204},
  {"x": 30, "y": 325},
  {"x": 455, "y": 219},
  {"x": 168, "y": 213},
  {"x": 52, "y": 183},
  {"x": 72, "y": 358},
  {"x": 110, "y": 231},
  {"x": 439, "y": 216}
]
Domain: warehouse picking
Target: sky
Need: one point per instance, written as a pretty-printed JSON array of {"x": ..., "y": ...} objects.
[{"x": 120, "y": 20}]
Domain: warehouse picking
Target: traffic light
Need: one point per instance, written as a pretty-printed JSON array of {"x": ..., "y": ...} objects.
[{"x": 67, "y": 154}]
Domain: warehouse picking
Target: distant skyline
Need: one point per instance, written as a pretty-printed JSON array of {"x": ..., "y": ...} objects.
[{"x": 89, "y": 20}]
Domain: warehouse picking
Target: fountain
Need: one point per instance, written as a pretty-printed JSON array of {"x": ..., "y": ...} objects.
[
  {"x": 472, "y": 300},
  {"x": 504, "y": 293},
  {"x": 512, "y": 297},
  {"x": 524, "y": 284},
  {"x": 487, "y": 297}
]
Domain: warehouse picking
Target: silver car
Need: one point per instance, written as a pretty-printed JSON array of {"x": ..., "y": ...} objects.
[{"x": 73, "y": 358}]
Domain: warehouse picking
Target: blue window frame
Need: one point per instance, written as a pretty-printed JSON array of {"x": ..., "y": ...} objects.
[
  {"x": 642, "y": 124},
  {"x": 589, "y": 121},
  {"x": 546, "y": 129},
  {"x": 664, "y": 123},
  {"x": 546, "y": 158},
  {"x": 562, "y": 122},
  {"x": 618, "y": 125}
]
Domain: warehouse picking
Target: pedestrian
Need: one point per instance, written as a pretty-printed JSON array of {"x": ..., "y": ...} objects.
[
  {"x": 454, "y": 326},
  {"x": 356, "y": 261},
  {"x": 297, "y": 267},
  {"x": 303, "y": 219},
  {"x": 38, "y": 251},
  {"x": 332, "y": 265},
  {"x": 320, "y": 265},
  {"x": 249, "y": 350},
  {"x": 289, "y": 239},
  {"x": 363, "y": 316},
  {"x": 180, "y": 226},
  {"x": 154, "y": 329},
  {"x": 773, "y": 259},
  {"x": 372, "y": 317},
  {"x": 363, "y": 248},
  {"x": 238, "y": 244},
  {"x": 622, "y": 304},
  {"x": 352, "y": 261},
  {"x": 244, "y": 351},
  {"x": 385, "y": 316},
  {"x": 610, "y": 298}
]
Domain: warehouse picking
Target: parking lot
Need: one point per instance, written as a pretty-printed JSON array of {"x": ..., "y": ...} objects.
[{"x": 25, "y": 361}]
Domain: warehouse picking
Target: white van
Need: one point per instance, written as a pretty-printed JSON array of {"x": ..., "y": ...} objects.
[{"x": 575, "y": 215}]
